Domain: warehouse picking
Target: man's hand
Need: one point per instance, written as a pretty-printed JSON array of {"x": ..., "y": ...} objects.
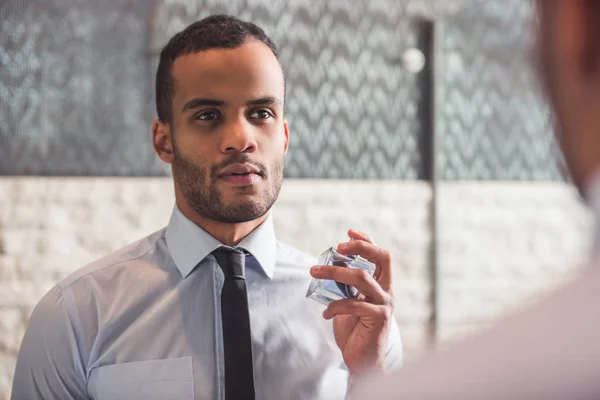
[{"x": 361, "y": 326}]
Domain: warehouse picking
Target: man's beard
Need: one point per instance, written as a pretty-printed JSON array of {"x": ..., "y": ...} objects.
[{"x": 201, "y": 192}]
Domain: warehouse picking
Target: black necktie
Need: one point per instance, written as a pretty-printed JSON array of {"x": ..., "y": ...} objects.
[{"x": 237, "y": 341}]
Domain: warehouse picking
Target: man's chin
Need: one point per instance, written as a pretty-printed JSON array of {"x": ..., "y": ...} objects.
[
  {"x": 240, "y": 212},
  {"x": 239, "y": 196}
]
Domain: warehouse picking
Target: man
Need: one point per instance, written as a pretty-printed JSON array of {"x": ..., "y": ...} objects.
[
  {"x": 552, "y": 350},
  {"x": 212, "y": 306}
]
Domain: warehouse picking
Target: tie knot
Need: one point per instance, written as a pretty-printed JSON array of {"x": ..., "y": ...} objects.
[{"x": 232, "y": 261}]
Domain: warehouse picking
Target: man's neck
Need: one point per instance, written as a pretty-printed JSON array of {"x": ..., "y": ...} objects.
[
  {"x": 589, "y": 188},
  {"x": 229, "y": 234}
]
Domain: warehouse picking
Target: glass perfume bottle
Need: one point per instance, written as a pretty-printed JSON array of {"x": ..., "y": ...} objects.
[{"x": 325, "y": 291}]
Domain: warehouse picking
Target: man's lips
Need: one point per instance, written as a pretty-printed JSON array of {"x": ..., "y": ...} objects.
[
  {"x": 239, "y": 169},
  {"x": 241, "y": 180},
  {"x": 240, "y": 174}
]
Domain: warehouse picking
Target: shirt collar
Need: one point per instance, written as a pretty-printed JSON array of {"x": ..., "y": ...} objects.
[
  {"x": 189, "y": 244},
  {"x": 591, "y": 193}
]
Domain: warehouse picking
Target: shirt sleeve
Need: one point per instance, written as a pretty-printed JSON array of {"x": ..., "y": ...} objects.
[
  {"x": 394, "y": 355},
  {"x": 49, "y": 365}
]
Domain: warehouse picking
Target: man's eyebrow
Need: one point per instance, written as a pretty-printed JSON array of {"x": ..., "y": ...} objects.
[
  {"x": 267, "y": 100},
  {"x": 199, "y": 102}
]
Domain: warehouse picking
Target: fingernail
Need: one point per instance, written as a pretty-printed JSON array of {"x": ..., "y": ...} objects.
[
  {"x": 342, "y": 245},
  {"x": 315, "y": 269}
]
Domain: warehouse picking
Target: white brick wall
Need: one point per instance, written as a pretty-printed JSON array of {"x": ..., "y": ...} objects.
[
  {"x": 503, "y": 243},
  {"x": 499, "y": 243}
]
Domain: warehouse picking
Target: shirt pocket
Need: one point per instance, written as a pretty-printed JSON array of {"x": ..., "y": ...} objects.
[{"x": 168, "y": 379}]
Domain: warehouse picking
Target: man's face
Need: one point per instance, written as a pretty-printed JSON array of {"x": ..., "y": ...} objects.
[
  {"x": 569, "y": 53},
  {"x": 548, "y": 66},
  {"x": 228, "y": 133}
]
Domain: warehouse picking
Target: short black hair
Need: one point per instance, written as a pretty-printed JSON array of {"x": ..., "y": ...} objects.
[{"x": 214, "y": 32}]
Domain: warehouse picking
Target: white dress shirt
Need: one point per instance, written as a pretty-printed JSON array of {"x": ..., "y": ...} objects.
[{"x": 144, "y": 323}]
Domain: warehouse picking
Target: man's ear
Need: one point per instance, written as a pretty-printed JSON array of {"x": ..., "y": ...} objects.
[
  {"x": 287, "y": 135},
  {"x": 162, "y": 141},
  {"x": 589, "y": 20},
  {"x": 576, "y": 33}
]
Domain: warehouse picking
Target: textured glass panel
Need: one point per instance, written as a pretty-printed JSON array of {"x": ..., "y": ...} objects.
[
  {"x": 353, "y": 111},
  {"x": 495, "y": 120},
  {"x": 76, "y": 83},
  {"x": 77, "y": 97},
  {"x": 73, "y": 94}
]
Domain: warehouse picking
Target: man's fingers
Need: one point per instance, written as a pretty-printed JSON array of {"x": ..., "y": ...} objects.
[
  {"x": 357, "y": 308},
  {"x": 360, "y": 235},
  {"x": 361, "y": 280},
  {"x": 380, "y": 257}
]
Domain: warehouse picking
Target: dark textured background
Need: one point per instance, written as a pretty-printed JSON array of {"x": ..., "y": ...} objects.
[
  {"x": 495, "y": 122},
  {"x": 77, "y": 98}
]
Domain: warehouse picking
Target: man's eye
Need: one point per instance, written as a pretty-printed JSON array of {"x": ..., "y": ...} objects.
[
  {"x": 207, "y": 116},
  {"x": 261, "y": 114}
]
